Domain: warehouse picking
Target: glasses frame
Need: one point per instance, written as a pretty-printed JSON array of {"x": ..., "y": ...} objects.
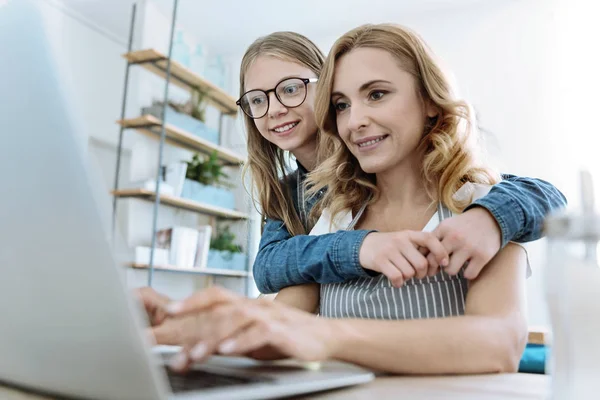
[{"x": 306, "y": 81}]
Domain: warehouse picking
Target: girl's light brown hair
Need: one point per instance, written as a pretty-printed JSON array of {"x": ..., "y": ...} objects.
[
  {"x": 449, "y": 159},
  {"x": 266, "y": 161}
]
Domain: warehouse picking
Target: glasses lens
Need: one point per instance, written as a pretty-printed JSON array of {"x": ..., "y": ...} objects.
[
  {"x": 291, "y": 92},
  {"x": 255, "y": 103}
]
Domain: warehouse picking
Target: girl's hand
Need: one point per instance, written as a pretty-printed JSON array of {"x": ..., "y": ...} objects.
[
  {"x": 473, "y": 239},
  {"x": 397, "y": 255}
]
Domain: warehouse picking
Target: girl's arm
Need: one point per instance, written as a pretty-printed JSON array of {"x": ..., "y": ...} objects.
[
  {"x": 284, "y": 260},
  {"x": 518, "y": 205}
]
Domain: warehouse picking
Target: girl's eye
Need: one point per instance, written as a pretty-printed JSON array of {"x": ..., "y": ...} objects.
[
  {"x": 290, "y": 89},
  {"x": 377, "y": 95},
  {"x": 341, "y": 106}
]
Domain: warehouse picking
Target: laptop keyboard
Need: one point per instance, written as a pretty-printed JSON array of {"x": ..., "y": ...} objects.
[{"x": 198, "y": 379}]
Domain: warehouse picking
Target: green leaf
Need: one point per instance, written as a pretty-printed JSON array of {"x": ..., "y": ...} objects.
[
  {"x": 225, "y": 241},
  {"x": 207, "y": 171}
]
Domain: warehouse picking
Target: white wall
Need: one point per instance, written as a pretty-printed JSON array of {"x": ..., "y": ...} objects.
[
  {"x": 92, "y": 67},
  {"x": 92, "y": 72},
  {"x": 530, "y": 68}
]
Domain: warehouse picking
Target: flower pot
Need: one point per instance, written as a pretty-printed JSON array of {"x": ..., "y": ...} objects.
[
  {"x": 207, "y": 194},
  {"x": 184, "y": 122},
  {"x": 226, "y": 260}
]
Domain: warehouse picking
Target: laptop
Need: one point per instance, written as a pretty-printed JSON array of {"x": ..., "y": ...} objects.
[{"x": 69, "y": 326}]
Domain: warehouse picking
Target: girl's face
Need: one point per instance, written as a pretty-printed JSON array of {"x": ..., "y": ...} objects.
[
  {"x": 289, "y": 128},
  {"x": 380, "y": 116}
]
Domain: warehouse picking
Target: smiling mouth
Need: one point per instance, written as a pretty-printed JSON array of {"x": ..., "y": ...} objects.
[
  {"x": 372, "y": 141},
  {"x": 286, "y": 128}
]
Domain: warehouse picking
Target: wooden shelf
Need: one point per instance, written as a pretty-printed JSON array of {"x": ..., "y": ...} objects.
[
  {"x": 156, "y": 63},
  {"x": 178, "y": 202},
  {"x": 150, "y": 125},
  {"x": 195, "y": 271}
]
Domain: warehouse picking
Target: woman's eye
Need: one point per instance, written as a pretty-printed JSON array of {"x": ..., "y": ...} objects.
[
  {"x": 341, "y": 106},
  {"x": 257, "y": 101},
  {"x": 377, "y": 95}
]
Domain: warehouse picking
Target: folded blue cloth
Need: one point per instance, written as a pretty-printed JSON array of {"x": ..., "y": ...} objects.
[{"x": 533, "y": 360}]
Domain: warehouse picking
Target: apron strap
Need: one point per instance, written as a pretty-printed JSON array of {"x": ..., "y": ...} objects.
[
  {"x": 357, "y": 217},
  {"x": 443, "y": 212}
]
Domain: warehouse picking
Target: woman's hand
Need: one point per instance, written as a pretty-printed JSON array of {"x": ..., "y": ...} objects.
[
  {"x": 397, "y": 255},
  {"x": 154, "y": 304},
  {"x": 229, "y": 324}
]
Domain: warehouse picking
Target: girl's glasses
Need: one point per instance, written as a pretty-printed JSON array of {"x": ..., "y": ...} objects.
[{"x": 290, "y": 92}]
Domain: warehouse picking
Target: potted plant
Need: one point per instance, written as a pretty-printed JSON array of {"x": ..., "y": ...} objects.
[
  {"x": 189, "y": 116},
  {"x": 197, "y": 104},
  {"x": 224, "y": 253},
  {"x": 206, "y": 182}
]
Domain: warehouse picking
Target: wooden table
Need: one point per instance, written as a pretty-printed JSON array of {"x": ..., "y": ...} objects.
[
  {"x": 488, "y": 387},
  {"x": 475, "y": 387}
]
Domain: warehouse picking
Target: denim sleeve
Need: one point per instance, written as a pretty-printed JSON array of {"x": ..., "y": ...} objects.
[
  {"x": 285, "y": 260},
  {"x": 520, "y": 205}
]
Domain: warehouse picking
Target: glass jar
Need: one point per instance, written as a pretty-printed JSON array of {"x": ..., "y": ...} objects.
[{"x": 572, "y": 291}]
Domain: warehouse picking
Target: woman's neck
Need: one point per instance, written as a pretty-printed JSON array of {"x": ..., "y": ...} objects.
[{"x": 402, "y": 186}]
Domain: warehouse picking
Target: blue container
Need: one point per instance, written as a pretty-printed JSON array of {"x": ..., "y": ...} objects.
[
  {"x": 533, "y": 360},
  {"x": 207, "y": 194},
  {"x": 184, "y": 122},
  {"x": 226, "y": 260},
  {"x": 181, "y": 50},
  {"x": 215, "y": 71}
]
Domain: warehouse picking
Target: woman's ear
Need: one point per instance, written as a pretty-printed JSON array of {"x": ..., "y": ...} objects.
[{"x": 431, "y": 109}]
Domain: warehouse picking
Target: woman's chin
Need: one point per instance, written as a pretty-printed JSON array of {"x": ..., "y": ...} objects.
[{"x": 373, "y": 166}]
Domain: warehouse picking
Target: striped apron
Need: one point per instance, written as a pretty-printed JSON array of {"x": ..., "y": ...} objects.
[{"x": 441, "y": 295}]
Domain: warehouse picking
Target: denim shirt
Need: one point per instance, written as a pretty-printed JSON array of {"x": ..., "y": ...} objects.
[{"x": 518, "y": 204}]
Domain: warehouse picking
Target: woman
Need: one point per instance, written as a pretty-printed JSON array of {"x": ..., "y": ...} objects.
[
  {"x": 277, "y": 87},
  {"x": 399, "y": 157}
]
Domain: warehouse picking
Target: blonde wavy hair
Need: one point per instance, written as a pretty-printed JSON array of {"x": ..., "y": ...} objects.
[
  {"x": 266, "y": 161},
  {"x": 450, "y": 158}
]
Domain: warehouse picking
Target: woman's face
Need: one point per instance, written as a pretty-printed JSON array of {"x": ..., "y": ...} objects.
[
  {"x": 380, "y": 116},
  {"x": 289, "y": 128}
]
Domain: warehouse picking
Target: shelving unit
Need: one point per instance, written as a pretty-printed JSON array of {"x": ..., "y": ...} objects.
[
  {"x": 157, "y": 63},
  {"x": 182, "y": 204},
  {"x": 150, "y": 125},
  {"x": 195, "y": 271},
  {"x": 174, "y": 73}
]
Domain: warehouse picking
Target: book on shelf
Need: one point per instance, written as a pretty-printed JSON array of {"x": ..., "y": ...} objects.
[
  {"x": 174, "y": 176},
  {"x": 182, "y": 243},
  {"x": 204, "y": 235},
  {"x": 182, "y": 247}
]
